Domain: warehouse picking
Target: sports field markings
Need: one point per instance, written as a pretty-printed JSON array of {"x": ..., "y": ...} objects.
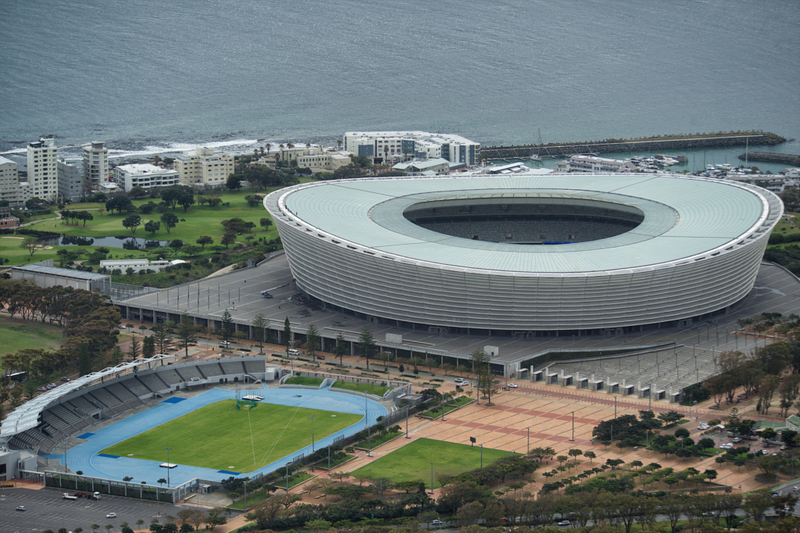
[{"x": 276, "y": 441}]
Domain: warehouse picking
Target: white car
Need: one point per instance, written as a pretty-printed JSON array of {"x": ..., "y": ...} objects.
[
  {"x": 703, "y": 427},
  {"x": 512, "y": 385},
  {"x": 461, "y": 381},
  {"x": 111, "y": 515},
  {"x": 726, "y": 446}
]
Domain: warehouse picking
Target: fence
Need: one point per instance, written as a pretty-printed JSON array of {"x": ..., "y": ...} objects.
[{"x": 128, "y": 489}]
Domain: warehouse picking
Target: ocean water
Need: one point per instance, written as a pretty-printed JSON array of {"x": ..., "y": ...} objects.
[{"x": 151, "y": 77}]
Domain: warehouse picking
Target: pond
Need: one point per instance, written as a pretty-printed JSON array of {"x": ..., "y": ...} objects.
[{"x": 126, "y": 243}]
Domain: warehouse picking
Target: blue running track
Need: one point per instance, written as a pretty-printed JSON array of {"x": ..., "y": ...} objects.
[{"x": 86, "y": 456}]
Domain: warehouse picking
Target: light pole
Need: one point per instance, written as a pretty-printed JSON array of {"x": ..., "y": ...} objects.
[
  {"x": 529, "y": 441},
  {"x": 431, "y": 476},
  {"x": 407, "y": 423},
  {"x": 573, "y": 426},
  {"x": 169, "y": 466},
  {"x": 312, "y": 433}
]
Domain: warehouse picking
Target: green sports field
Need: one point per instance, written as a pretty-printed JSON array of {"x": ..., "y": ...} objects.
[
  {"x": 221, "y": 437},
  {"x": 413, "y": 461}
]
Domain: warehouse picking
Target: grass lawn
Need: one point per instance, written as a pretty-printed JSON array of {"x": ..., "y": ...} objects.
[
  {"x": 220, "y": 437},
  {"x": 413, "y": 461},
  {"x": 377, "y": 390},
  {"x": 300, "y": 380},
  {"x": 451, "y": 406},
  {"x": 23, "y": 334},
  {"x": 200, "y": 220}
]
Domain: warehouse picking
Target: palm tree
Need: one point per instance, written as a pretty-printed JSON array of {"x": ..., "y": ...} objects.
[
  {"x": 385, "y": 154},
  {"x": 268, "y": 146}
]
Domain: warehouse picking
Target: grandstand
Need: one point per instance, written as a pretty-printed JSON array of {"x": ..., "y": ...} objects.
[{"x": 39, "y": 425}]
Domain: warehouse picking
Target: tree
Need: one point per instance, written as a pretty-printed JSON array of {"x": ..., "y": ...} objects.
[
  {"x": 132, "y": 222},
  {"x": 261, "y": 323},
  {"x": 265, "y": 223},
  {"x": 187, "y": 333},
  {"x": 590, "y": 454},
  {"x": 312, "y": 340},
  {"x": 203, "y": 240},
  {"x": 769, "y": 465},
  {"x": 234, "y": 182},
  {"x": 134, "y": 348},
  {"x": 161, "y": 338},
  {"x": 148, "y": 347},
  {"x": 152, "y": 226},
  {"x": 176, "y": 244},
  {"x": 367, "y": 344},
  {"x": 227, "y": 239},
  {"x": 766, "y": 390},
  {"x": 340, "y": 349},
  {"x": 84, "y": 360},
  {"x": 31, "y": 245},
  {"x": 228, "y": 327},
  {"x": 119, "y": 203},
  {"x": 788, "y": 391},
  {"x": 756, "y": 504},
  {"x": 170, "y": 220}
]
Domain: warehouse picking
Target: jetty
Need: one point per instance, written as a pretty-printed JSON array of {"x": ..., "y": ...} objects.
[
  {"x": 772, "y": 157},
  {"x": 662, "y": 143}
]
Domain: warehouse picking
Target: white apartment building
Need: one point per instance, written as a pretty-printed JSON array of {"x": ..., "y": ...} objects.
[
  {"x": 590, "y": 163},
  {"x": 95, "y": 163},
  {"x": 9, "y": 181},
  {"x": 70, "y": 181},
  {"x": 144, "y": 175},
  {"x": 204, "y": 167},
  {"x": 396, "y": 146},
  {"x": 324, "y": 161},
  {"x": 43, "y": 168},
  {"x": 287, "y": 155}
]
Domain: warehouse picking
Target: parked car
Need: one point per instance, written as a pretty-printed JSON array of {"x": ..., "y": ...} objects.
[
  {"x": 224, "y": 344},
  {"x": 65, "y": 378},
  {"x": 512, "y": 385},
  {"x": 20, "y": 507},
  {"x": 111, "y": 515},
  {"x": 437, "y": 522},
  {"x": 564, "y": 523},
  {"x": 460, "y": 381},
  {"x": 321, "y": 357},
  {"x": 703, "y": 426},
  {"x": 737, "y": 439}
]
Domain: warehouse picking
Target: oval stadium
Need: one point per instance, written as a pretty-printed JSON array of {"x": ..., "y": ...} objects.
[{"x": 526, "y": 254}]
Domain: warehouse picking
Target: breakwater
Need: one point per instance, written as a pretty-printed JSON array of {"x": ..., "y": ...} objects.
[
  {"x": 771, "y": 157},
  {"x": 653, "y": 144}
]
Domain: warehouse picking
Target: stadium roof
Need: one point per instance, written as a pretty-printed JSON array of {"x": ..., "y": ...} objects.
[
  {"x": 26, "y": 416},
  {"x": 684, "y": 219}
]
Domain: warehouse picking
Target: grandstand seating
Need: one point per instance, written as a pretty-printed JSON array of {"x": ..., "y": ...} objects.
[
  {"x": 136, "y": 387},
  {"x": 253, "y": 367},
  {"x": 190, "y": 371},
  {"x": 212, "y": 370},
  {"x": 145, "y": 384},
  {"x": 232, "y": 367}
]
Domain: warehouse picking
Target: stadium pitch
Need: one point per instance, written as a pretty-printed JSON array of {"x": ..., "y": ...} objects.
[
  {"x": 413, "y": 461},
  {"x": 219, "y": 436}
]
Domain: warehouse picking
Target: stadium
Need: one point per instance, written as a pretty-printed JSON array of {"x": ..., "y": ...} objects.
[
  {"x": 526, "y": 255},
  {"x": 215, "y": 416}
]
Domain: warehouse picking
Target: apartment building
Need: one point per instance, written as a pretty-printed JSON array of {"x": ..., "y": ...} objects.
[
  {"x": 70, "y": 181},
  {"x": 144, "y": 175},
  {"x": 95, "y": 163},
  {"x": 324, "y": 161},
  {"x": 204, "y": 167},
  {"x": 396, "y": 146},
  {"x": 9, "y": 181},
  {"x": 43, "y": 168}
]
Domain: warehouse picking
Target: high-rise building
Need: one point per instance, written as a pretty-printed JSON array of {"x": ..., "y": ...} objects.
[
  {"x": 43, "y": 168},
  {"x": 70, "y": 182},
  {"x": 95, "y": 164},
  {"x": 9, "y": 181}
]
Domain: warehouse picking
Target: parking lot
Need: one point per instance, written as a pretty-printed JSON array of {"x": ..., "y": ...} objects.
[{"x": 46, "y": 509}]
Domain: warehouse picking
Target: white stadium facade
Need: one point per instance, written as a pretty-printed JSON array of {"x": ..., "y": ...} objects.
[{"x": 526, "y": 255}]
